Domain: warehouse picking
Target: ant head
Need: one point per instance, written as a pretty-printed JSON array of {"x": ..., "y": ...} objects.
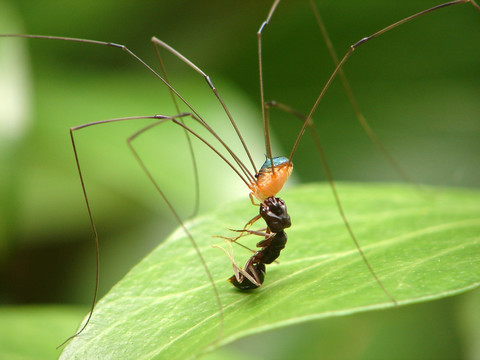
[{"x": 274, "y": 211}]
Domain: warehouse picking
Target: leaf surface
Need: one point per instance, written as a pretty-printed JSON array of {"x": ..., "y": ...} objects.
[{"x": 423, "y": 246}]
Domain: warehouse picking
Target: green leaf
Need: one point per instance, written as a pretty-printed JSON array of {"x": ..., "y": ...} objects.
[{"x": 423, "y": 246}]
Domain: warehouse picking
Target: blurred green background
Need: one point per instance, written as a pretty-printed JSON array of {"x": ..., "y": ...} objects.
[{"x": 418, "y": 86}]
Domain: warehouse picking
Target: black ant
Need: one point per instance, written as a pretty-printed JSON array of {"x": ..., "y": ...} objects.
[{"x": 274, "y": 211}]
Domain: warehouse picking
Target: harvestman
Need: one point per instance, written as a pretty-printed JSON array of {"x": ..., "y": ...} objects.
[{"x": 249, "y": 177}]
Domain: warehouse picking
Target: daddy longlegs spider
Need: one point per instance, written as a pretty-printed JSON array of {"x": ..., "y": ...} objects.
[{"x": 280, "y": 106}]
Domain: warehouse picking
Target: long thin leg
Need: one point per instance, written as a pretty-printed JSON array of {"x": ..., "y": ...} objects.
[
  {"x": 321, "y": 154},
  {"x": 189, "y": 140},
  {"x": 179, "y": 220},
  {"x": 353, "y": 47},
  {"x": 308, "y": 121},
  {"x": 353, "y": 102},
  {"x": 167, "y": 47},
  {"x": 151, "y": 70},
  {"x": 265, "y": 118},
  {"x": 159, "y": 120}
]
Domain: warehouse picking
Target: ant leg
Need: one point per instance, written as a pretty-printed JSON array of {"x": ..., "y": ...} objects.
[
  {"x": 239, "y": 273},
  {"x": 260, "y": 232}
]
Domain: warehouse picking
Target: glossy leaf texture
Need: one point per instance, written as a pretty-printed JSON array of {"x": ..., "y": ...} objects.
[{"x": 423, "y": 245}]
